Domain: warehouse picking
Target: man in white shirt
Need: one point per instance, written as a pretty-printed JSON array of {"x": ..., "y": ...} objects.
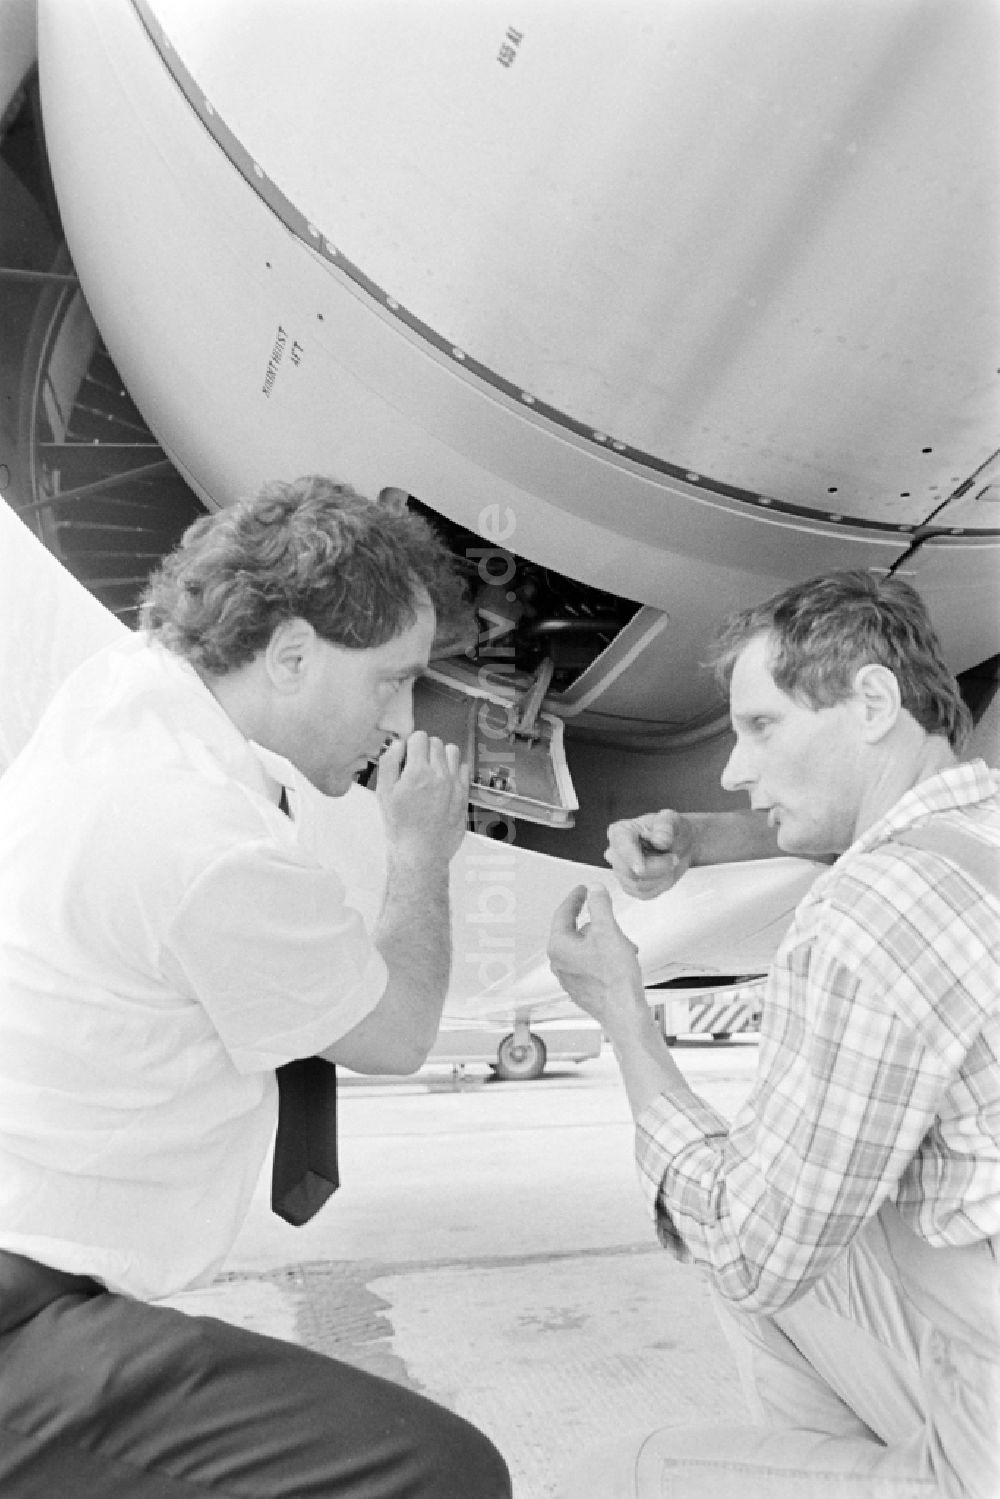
[{"x": 167, "y": 942}]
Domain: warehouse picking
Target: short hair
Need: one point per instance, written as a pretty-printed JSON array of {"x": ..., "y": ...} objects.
[
  {"x": 824, "y": 630},
  {"x": 311, "y": 549}
]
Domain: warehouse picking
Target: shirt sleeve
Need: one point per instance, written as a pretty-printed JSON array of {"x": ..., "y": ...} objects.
[
  {"x": 858, "y": 1048},
  {"x": 266, "y": 943}
]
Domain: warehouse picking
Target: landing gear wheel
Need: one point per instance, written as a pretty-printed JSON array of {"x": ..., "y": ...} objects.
[{"x": 518, "y": 1061}]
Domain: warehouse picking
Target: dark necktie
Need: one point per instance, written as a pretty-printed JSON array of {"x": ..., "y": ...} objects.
[{"x": 305, "y": 1172}]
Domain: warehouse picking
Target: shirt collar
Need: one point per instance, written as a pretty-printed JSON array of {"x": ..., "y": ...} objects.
[
  {"x": 200, "y": 712},
  {"x": 959, "y": 786},
  {"x": 280, "y": 773}
]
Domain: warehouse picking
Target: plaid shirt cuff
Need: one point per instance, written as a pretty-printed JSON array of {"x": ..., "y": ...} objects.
[{"x": 678, "y": 1140}]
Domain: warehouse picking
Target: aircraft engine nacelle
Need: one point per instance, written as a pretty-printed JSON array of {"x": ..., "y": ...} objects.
[{"x": 659, "y": 306}]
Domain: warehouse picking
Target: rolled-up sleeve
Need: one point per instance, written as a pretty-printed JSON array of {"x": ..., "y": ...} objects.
[
  {"x": 266, "y": 943},
  {"x": 683, "y": 1138},
  {"x": 870, "y": 1018}
]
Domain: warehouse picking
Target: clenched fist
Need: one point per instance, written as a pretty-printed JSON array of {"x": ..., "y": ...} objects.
[{"x": 423, "y": 790}]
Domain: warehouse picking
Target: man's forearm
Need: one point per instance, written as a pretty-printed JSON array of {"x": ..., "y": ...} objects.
[
  {"x": 413, "y": 935},
  {"x": 648, "y": 1070},
  {"x": 727, "y": 837}
]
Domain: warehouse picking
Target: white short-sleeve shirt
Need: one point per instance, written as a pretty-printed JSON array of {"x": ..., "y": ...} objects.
[{"x": 167, "y": 939}]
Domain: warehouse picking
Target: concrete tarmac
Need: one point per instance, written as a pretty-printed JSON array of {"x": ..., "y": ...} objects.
[{"x": 490, "y": 1247}]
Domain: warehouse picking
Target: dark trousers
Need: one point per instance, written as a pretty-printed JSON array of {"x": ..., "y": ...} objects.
[{"x": 106, "y": 1398}]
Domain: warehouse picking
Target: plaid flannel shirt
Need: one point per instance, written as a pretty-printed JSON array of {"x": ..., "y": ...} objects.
[{"x": 878, "y": 1074}]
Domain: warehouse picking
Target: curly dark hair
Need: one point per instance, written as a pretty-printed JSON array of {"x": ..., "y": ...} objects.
[
  {"x": 826, "y": 629},
  {"x": 311, "y": 549}
]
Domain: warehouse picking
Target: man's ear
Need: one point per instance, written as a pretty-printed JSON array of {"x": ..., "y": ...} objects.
[
  {"x": 877, "y": 693},
  {"x": 288, "y": 652}
]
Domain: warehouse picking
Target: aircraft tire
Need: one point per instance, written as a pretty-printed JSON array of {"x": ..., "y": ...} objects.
[{"x": 517, "y": 1063}]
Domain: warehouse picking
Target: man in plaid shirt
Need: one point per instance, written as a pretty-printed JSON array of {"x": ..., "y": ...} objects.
[{"x": 849, "y": 1216}]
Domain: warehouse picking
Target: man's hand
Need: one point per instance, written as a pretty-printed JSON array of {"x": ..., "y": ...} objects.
[
  {"x": 650, "y": 853},
  {"x": 598, "y": 967},
  {"x": 424, "y": 805},
  {"x": 596, "y": 963},
  {"x": 425, "y": 801}
]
